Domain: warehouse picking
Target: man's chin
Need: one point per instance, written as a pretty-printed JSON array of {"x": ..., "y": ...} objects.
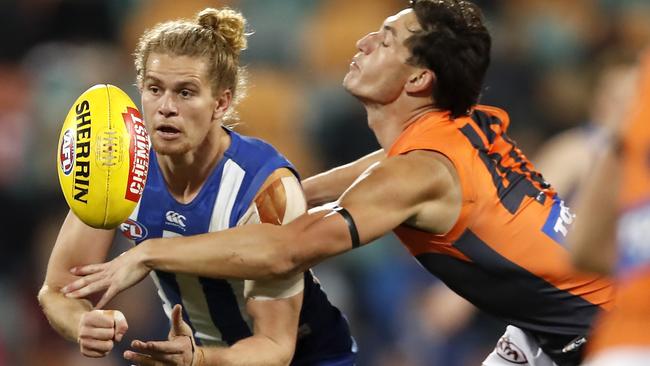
[
  {"x": 168, "y": 149},
  {"x": 347, "y": 85}
]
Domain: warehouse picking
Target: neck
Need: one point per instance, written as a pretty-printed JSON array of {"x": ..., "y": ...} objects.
[
  {"x": 388, "y": 121},
  {"x": 186, "y": 173}
]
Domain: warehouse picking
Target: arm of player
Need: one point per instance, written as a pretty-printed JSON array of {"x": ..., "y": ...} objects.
[
  {"x": 330, "y": 185},
  {"x": 396, "y": 190},
  {"x": 273, "y": 342},
  {"x": 273, "y": 305},
  {"x": 593, "y": 237},
  {"x": 274, "y": 338},
  {"x": 79, "y": 244}
]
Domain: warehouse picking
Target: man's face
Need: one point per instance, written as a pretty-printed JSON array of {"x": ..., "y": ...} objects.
[
  {"x": 378, "y": 72},
  {"x": 177, "y": 103}
]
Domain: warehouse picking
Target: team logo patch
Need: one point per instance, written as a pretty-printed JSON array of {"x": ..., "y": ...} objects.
[
  {"x": 510, "y": 352},
  {"x": 67, "y": 152},
  {"x": 559, "y": 222},
  {"x": 133, "y": 230},
  {"x": 175, "y": 219}
]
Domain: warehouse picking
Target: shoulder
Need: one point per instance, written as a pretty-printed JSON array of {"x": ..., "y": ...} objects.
[
  {"x": 251, "y": 143},
  {"x": 254, "y": 154},
  {"x": 280, "y": 199}
]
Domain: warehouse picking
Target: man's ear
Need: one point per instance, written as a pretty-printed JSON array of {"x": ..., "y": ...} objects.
[
  {"x": 420, "y": 81},
  {"x": 222, "y": 104}
]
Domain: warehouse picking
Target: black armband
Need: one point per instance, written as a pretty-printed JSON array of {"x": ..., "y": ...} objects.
[{"x": 352, "y": 227}]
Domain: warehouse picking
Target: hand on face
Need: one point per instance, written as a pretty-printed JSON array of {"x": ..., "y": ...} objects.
[
  {"x": 112, "y": 277},
  {"x": 177, "y": 350},
  {"x": 98, "y": 330}
]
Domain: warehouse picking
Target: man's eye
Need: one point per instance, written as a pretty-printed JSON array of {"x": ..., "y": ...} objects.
[
  {"x": 186, "y": 93},
  {"x": 154, "y": 89}
]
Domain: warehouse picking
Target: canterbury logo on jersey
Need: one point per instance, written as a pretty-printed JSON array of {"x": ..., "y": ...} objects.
[{"x": 175, "y": 219}]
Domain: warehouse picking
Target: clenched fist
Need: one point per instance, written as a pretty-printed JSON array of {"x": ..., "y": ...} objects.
[{"x": 98, "y": 330}]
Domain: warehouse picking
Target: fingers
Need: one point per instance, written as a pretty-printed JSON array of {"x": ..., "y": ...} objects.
[
  {"x": 177, "y": 351},
  {"x": 98, "y": 329},
  {"x": 143, "y": 359},
  {"x": 121, "y": 326},
  {"x": 86, "y": 286},
  {"x": 179, "y": 327},
  {"x": 157, "y": 348},
  {"x": 96, "y": 333},
  {"x": 177, "y": 320},
  {"x": 105, "y": 334},
  {"x": 95, "y": 348},
  {"x": 106, "y": 297},
  {"x": 86, "y": 270},
  {"x": 140, "y": 359}
]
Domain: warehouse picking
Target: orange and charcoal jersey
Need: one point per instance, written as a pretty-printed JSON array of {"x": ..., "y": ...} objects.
[
  {"x": 505, "y": 253},
  {"x": 629, "y": 321}
]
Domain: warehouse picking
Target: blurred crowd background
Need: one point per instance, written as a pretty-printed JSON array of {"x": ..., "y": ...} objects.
[{"x": 558, "y": 68}]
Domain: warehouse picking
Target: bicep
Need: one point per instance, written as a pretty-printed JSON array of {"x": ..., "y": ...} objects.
[
  {"x": 77, "y": 244},
  {"x": 397, "y": 190}
]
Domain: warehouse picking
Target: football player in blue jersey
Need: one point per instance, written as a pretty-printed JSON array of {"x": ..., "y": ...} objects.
[{"x": 203, "y": 178}]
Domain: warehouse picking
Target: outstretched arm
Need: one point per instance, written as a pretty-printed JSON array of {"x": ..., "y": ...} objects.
[
  {"x": 330, "y": 185},
  {"x": 405, "y": 188},
  {"x": 394, "y": 191}
]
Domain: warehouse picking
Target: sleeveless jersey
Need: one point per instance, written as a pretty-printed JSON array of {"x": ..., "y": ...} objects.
[
  {"x": 505, "y": 252},
  {"x": 215, "y": 308},
  {"x": 628, "y": 323}
]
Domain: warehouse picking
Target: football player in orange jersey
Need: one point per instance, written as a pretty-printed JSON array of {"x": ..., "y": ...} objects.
[
  {"x": 613, "y": 232},
  {"x": 448, "y": 181}
]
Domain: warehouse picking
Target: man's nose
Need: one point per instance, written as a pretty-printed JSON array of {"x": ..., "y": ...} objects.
[
  {"x": 168, "y": 106},
  {"x": 365, "y": 43}
]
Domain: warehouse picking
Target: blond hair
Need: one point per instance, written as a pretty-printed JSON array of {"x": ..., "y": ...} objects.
[{"x": 216, "y": 34}]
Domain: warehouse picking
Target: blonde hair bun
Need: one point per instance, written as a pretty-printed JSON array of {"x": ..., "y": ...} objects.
[{"x": 227, "y": 23}]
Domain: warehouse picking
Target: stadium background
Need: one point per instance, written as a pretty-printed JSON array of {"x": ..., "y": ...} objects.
[{"x": 547, "y": 56}]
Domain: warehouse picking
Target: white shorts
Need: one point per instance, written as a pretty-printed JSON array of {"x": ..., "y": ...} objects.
[
  {"x": 628, "y": 356},
  {"x": 516, "y": 347}
]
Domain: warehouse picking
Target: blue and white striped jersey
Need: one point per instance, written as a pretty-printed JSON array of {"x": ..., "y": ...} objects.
[{"x": 215, "y": 308}]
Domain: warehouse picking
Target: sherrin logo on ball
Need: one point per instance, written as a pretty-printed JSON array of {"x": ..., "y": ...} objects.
[{"x": 103, "y": 156}]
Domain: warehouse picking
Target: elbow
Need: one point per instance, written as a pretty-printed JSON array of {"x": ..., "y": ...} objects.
[
  {"x": 287, "y": 259},
  {"x": 286, "y": 265},
  {"x": 43, "y": 295}
]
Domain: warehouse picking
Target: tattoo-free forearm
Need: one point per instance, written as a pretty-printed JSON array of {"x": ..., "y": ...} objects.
[
  {"x": 251, "y": 351},
  {"x": 247, "y": 252},
  {"x": 330, "y": 185},
  {"x": 254, "y": 252}
]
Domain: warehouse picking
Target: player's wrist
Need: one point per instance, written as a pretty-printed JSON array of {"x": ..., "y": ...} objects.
[
  {"x": 198, "y": 356},
  {"x": 147, "y": 253}
]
